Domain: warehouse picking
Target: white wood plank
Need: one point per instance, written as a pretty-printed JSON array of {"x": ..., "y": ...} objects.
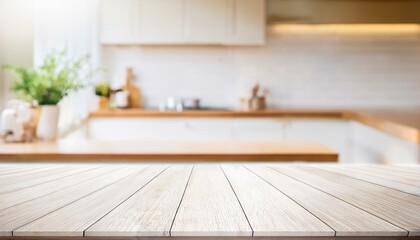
[
  {"x": 10, "y": 183},
  {"x": 402, "y": 168},
  {"x": 412, "y": 169},
  {"x": 381, "y": 171},
  {"x": 270, "y": 212},
  {"x": 15, "y": 173},
  {"x": 7, "y": 169},
  {"x": 405, "y": 178},
  {"x": 150, "y": 211},
  {"x": 398, "y": 208},
  {"x": 355, "y": 173},
  {"x": 210, "y": 207},
  {"x": 76, "y": 217},
  {"x": 207, "y": 209},
  {"x": 17, "y": 197},
  {"x": 345, "y": 219},
  {"x": 19, "y": 215}
]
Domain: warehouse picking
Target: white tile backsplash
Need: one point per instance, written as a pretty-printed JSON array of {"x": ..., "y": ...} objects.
[{"x": 299, "y": 69}]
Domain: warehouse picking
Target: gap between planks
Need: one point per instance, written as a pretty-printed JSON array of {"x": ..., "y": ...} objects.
[{"x": 383, "y": 204}]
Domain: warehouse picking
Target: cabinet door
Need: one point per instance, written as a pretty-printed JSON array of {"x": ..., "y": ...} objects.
[
  {"x": 257, "y": 129},
  {"x": 140, "y": 129},
  {"x": 206, "y": 21},
  {"x": 161, "y": 22},
  {"x": 247, "y": 23},
  {"x": 116, "y": 20},
  {"x": 214, "y": 129}
]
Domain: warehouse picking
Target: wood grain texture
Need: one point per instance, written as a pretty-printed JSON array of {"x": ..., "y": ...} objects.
[
  {"x": 344, "y": 218},
  {"x": 169, "y": 151},
  {"x": 19, "y": 196},
  {"x": 73, "y": 219},
  {"x": 380, "y": 178},
  {"x": 270, "y": 212},
  {"x": 13, "y": 183},
  {"x": 25, "y": 173},
  {"x": 14, "y": 217},
  {"x": 8, "y": 168},
  {"x": 412, "y": 169},
  {"x": 407, "y": 178},
  {"x": 209, "y": 238},
  {"x": 210, "y": 207},
  {"x": 137, "y": 201},
  {"x": 396, "y": 207},
  {"x": 150, "y": 212}
]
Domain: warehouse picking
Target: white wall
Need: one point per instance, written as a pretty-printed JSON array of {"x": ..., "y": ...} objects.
[{"x": 320, "y": 66}]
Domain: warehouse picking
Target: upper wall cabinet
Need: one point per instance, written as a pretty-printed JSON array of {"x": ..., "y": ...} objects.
[
  {"x": 160, "y": 22},
  {"x": 225, "y": 22},
  {"x": 206, "y": 21},
  {"x": 117, "y": 18},
  {"x": 247, "y": 26}
]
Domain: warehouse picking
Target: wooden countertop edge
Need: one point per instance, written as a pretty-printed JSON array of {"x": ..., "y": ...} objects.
[
  {"x": 209, "y": 238},
  {"x": 396, "y": 129},
  {"x": 393, "y": 128},
  {"x": 183, "y": 157},
  {"x": 216, "y": 113}
]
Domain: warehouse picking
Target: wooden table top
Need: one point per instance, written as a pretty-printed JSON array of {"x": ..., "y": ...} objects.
[
  {"x": 136, "y": 201},
  {"x": 402, "y": 122},
  {"x": 78, "y": 149}
]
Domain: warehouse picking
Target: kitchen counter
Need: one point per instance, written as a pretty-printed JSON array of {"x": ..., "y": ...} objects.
[
  {"x": 96, "y": 150},
  {"x": 218, "y": 113},
  {"x": 402, "y": 123}
]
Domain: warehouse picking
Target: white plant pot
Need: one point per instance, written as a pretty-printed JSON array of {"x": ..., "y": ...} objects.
[{"x": 48, "y": 123}]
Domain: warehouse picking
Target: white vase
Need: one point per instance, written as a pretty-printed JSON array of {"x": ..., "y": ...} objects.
[{"x": 48, "y": 123}]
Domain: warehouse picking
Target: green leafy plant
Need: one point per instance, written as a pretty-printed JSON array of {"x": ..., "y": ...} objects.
[
  {"x": 52, "y": 81},
  {"x": 103, "y": 89}
]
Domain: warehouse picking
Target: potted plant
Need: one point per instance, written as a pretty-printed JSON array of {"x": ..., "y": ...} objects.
[
  {"x": 46, "y": 85},
  {"x": 103, "y": 91}
]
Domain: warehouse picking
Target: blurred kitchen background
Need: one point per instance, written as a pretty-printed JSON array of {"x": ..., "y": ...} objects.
[
  {"x": 316, "y": 53},
  {"x": 301, "y": 54}
]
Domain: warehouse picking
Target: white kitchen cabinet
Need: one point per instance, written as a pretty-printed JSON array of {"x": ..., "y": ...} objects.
[
  {"x": 117, "y": 18},
  {"x": 247, "y": 23},
  {"x": 159, "y": 129},
  {"x": 185, "y": 129},
  {"x": 147, "y": 129},
  {"x": 160, "y": 22},
  {"x": 207, "y": 21},
  {"x": 223, "y": 22},
  {"x": 211, "y": 129},
  {"x": 355, "y": 142},
  {"x": 265, "y": 129},
  {"x": 374, "y": 146}
]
